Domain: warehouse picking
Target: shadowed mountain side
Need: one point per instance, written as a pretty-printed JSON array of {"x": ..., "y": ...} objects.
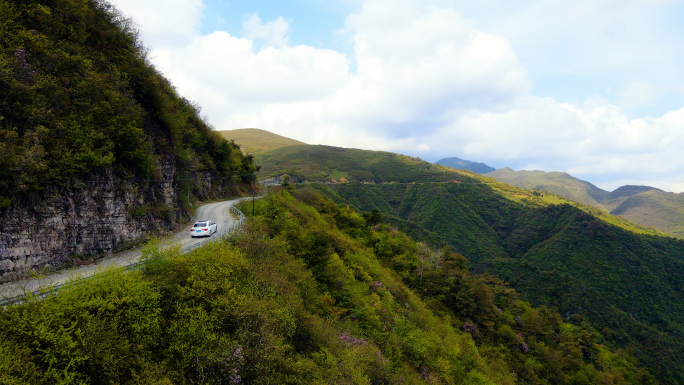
[
  {"x": 256, "y": 141},
  {"x": 462, "y": 164},
  {"x": 659, "y": 209}
]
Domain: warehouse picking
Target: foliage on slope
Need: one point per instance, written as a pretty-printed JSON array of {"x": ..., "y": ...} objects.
[
  {"x": 333, "y": 164},
  {"x": 324, "y": 163},
  {"x": 631, "y": 286},
  {"x": 77, "y": 95},
  {"x": 307, "y": 295}
]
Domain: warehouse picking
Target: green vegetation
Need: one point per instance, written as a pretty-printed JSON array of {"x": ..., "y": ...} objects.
[
  {"x": 255, "y": 141},
  {"x": 78, "y": 96},
  {"x": 332, "y": 164},
  {"x": 309, "y": 294},
  {"x": 630, "y": 286},
  {"x": 643, "y": 205},
  {"x": 324, "y": 163},
  {"x": 593, "y": 267}
]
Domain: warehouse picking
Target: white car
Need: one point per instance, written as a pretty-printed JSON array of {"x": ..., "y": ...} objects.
[{"x": 203, "y": 228}]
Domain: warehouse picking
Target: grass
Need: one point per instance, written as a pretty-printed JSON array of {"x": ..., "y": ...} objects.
[{"x": 256, "y": 142}]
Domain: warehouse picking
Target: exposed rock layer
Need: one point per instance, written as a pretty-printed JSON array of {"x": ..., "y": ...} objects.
[{"x": 93, "y": 216}]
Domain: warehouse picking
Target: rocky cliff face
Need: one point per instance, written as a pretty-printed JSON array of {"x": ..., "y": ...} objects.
[{"x": 93, "y": 216}]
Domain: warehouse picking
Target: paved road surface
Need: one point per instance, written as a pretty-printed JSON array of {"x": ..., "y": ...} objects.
[{"x": 217, "y": 212}]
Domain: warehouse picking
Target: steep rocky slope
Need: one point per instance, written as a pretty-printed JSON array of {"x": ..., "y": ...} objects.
[{"x": 97, "y": 149}]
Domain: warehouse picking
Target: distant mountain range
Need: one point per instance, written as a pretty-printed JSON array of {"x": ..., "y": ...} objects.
[
  {"x": 644, "y": 205},
  {"x": 463, "y": 164}
]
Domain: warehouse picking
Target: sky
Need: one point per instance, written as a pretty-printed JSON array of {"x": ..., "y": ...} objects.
[{"x": 594, "y": 88}]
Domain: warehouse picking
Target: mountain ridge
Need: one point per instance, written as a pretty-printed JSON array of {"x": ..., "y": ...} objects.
[
  {"x": 645, "y": 205},
  {"x": 256, "y": 141}
]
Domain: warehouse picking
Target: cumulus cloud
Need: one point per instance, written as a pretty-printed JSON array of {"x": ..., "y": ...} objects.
[
  {"x": 420, "y": 62},
  {"x": 274, "y": 32},
  {"x": 411, "y": 73},
  {"x": 226, "y": 73},
  {"x": 174, "y": 26},
  {"x": 637, "y": 94},
  {"x": 427, "y": 82}
]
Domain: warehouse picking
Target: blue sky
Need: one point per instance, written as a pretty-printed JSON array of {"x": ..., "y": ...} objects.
[
  {"x": 591, "y": 87},
  {"x": 312, "y": 21}
]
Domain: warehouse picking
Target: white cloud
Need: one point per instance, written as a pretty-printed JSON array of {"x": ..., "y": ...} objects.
[
  {"x": 584, "y": 35},
  {"x": 426, "y": 80},
  {"x": 225, "y": 73},
  {"x": 168, "y": 23},
  {"x": 637, "y": 94},
  {"x": 274, "y": 32},
  {"x": 417, "y": 69}
]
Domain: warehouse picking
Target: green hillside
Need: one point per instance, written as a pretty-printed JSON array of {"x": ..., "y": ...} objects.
[
  {"x": 79, "y": 96},
  {"x": 631, "y": 286},
  {"x": 256, "y": 142},
  {"x": 659, "y": 209},
  {"x": 317, "y": 163},
  {"x": 556, "y": 182},
  {"x": 325, "y": 163},
  {"x": 647, "y": 206},
  {"x": 591, "y": 266},
  {"x": 309, "y": 294}
]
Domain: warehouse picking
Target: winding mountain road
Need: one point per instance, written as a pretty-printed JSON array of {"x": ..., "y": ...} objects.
[{"x": 218, "y": 212}]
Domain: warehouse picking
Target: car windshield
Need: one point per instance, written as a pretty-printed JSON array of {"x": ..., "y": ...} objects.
[{"x": 200, "y": 224}]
